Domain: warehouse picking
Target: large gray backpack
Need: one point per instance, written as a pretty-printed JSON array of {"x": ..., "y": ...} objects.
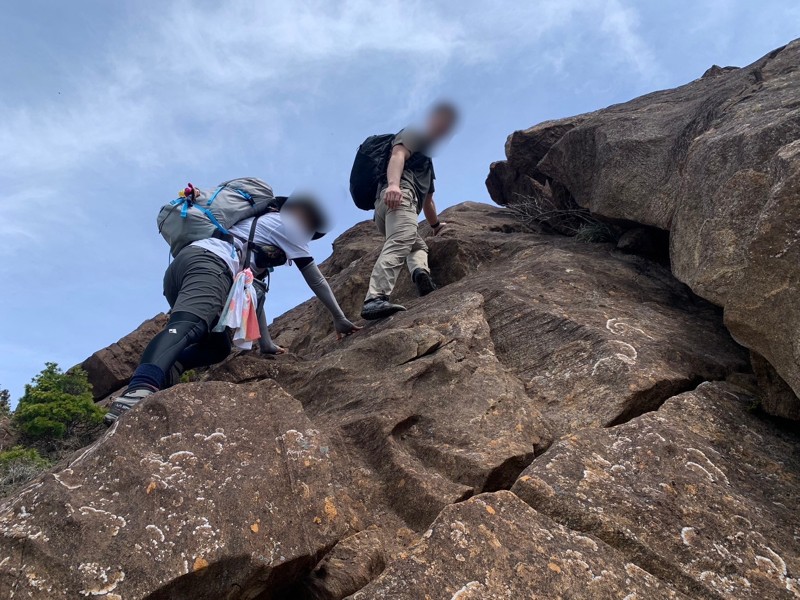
[{"x": 199, "y": 215}]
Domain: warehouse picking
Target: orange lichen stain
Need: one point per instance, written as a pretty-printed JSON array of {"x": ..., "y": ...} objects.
[
  {"x": 317, "y": 520},
  {"x": 254, "y": 527},
  {"x": 330, "y": 509},
  {"x": 554, "y": 567},
  {"x": 519, "y": 428},
  {"x": 151, "y": 487},
  {"x": 490, "y": 510},
  {"x": 307, "y": 463},
  {"x": 200, "y": 563},
  {"x": 525, "y": 478}
]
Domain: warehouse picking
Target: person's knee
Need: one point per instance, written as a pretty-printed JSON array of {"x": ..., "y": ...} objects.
[
  {"x": 187, "y": 324},
  {"x": 401, "y": 240}
]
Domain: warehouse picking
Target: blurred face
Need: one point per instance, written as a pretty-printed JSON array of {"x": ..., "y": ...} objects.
[
  {"x": 440, "y": 124},
  {"x": 301, "y": 216}
]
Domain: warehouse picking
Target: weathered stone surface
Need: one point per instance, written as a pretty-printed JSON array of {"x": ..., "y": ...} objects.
[
  {"x": 700, "y": 493},
  {"x": 206, "y": 491},
  {"x": 717, "y": 163},
  {"x": 350, "y": 566},
  {"x": 110, "y": 369},
  {"x": 595, "y": 336},
  {"x": 776, "y": 397},
  {"x": 531, "y": 336},
  {"x": 425, "y": 403},
  {"x": 495, "y": 546}
]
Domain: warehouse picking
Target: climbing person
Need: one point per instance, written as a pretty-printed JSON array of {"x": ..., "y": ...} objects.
[
  {"x": 393, "y": 174},
  {"x": 212, "y": 237}
]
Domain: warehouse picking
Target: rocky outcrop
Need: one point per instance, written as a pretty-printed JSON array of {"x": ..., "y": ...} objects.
[
  {"x": 717, "y": 164},
  {"x": 209, "y": 491},
  {"x": 110, "y": 369},
  {"x": 378, "y": 467},
  {"x": 495, "y": 546},
  {"x": 700, "y": 493}
]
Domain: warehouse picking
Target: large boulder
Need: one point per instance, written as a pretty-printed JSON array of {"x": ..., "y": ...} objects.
[
  {"x": 110, "y": 369},
  {"x": 717, "y": 164},
  {"x": 205, "y": 491},
  {"x": 700, "y": 493},
  {"x": 495, "y": 546}
]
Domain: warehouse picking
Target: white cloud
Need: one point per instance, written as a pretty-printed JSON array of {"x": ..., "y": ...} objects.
[
  {"x": 188, "y": 73},
  {"x": 621, "y": 23}
]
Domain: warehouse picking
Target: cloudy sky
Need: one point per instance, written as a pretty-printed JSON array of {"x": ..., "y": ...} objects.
[{"x": 109, "y": 108}]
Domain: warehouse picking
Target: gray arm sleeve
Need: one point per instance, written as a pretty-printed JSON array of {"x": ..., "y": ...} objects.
[
  {"x": 265, "y": 344},
  {"x": 319, "y": 285}
]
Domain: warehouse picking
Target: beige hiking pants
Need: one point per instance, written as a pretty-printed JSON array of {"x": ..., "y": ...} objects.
[{"x": 403, "y": 244}]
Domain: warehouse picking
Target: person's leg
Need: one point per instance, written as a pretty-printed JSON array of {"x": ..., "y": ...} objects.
[
  {"x": 418, "y": 257},
  {"x": 417, "y": 263},
  {"x": 196, "y": 285},
  {"x": 183, "y": 330},
  {"x": 213, "y": 348},
  {"x": 400, "y": 228}
]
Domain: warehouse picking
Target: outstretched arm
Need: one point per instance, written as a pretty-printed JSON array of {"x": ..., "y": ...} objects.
[
  {"x": 265, "y": 344},
  {"x": 431, "y": 215},
  {"x": 394, "y": 172},
  {"x": 319, "y": 285}
]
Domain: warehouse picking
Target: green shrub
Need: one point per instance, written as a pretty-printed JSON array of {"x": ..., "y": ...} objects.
[
  {"x": 18, "y": 466},
  {"x": 189, "y": 376},
  {"x": 57, "y": 405},
  {"x": 5, "y": 403}
]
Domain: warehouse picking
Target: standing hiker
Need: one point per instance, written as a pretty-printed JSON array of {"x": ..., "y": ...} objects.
[
  {"x": 394, "y": 175},
  {"x": 212, "y": 236}
]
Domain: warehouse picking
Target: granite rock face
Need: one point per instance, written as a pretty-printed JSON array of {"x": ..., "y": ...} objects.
[
  {"x": 204, "y": 491},
  {"x": 379, "y": 466},
  {"x": 716, "y": 163},
  {"x": 700, "y": 493},
  {"x": 495, "y": 546}
]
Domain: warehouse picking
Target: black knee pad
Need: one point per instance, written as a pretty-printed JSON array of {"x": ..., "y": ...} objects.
[{"x": 182, "y": 330}]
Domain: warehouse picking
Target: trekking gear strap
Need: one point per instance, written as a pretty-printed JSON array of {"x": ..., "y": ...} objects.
[{"x": 248, "y": 247}]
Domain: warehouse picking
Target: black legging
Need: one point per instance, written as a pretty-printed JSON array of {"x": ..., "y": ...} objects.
[{"x": 186, "y": 340}]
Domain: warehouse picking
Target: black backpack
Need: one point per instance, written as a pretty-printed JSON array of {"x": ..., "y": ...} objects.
[{"x": 369, "y": 169}]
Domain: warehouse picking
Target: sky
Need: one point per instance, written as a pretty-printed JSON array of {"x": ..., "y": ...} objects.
[{"x": 109, "y": 108}]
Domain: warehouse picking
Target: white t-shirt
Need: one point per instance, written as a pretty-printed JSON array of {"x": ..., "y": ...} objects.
[{"x": 279, "y": 229}]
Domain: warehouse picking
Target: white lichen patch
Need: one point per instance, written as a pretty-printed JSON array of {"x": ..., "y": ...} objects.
[
  {"x": 157, "y": 532},
  {"x": 112, "y": 521},
  {"x": 99, "y": 580},
  {"x": 619, "y": 327},
  {"x": 714, "y": 473},
  {"x": 464, "y": 592},
  {"x": 625, "y": 354},
  {"x": 688, "y": 535}
]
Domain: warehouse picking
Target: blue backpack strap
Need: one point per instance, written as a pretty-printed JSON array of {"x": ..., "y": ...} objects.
[
  {"x": 214, "y": 197},
  {"x": 183, "y": 203},
  {"x": 213, "y": 220},
  {"x": 244, "y": 195}
]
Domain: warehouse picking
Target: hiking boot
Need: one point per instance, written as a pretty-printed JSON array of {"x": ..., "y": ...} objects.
[
  {"x": 379, "y": 308},
  {"x": 424, "y": 282},
  {"x": 124, "y": 403}
]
